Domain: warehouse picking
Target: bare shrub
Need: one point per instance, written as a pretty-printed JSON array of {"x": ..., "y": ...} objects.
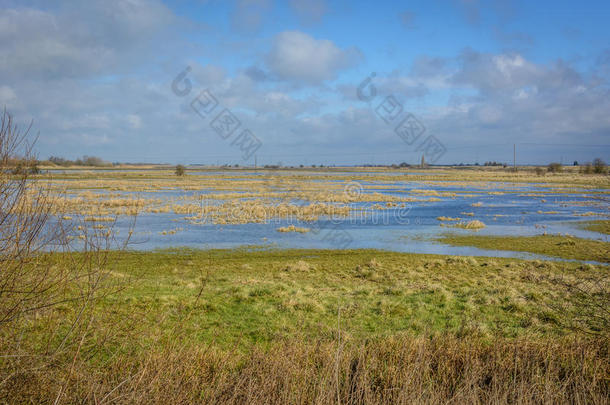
[
  {"x": 554, "y": 167},
  {"x": 599, "y": 166},
  {"x": 44, "y": 285},
  {"x": 24, "y": 230}
]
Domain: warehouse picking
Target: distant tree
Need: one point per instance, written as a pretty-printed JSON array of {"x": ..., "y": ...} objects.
[
  {"x": 554, "y": 167},
  {"x": 575, "y": 163},
  {"x": 180, "y": 170},
  {"x": 60, "y": 161},
  {"x": 539, "y": 171},
  {"x": 599, "y": 166},
  {"x": 93, "y": 161},
  {"x": 404, "y": 164}
]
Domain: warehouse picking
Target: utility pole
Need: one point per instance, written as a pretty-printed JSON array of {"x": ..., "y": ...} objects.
[{"x": 514, "y": 157}]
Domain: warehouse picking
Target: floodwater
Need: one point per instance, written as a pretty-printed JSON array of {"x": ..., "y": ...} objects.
[{"x": 520, "y": 209}]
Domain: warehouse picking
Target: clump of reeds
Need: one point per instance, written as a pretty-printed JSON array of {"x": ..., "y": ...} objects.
[
  {"x": 474, "y": 225},
  {"x": 99, "y": 219},
  {"x": 292, "y": 228},
  {"x": 442, "y": 218}
]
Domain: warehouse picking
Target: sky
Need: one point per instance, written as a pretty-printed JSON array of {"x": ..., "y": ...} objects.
[{"x": 310, "y": 81}]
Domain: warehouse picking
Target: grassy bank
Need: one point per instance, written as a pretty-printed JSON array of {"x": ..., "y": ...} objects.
[
  {"x": 566, "y": 247},
  {"x": 601, "y": 226}
]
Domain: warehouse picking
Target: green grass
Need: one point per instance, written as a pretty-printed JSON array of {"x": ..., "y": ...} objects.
[
  {"x": 601, "y": 226},
  {"x": 248, "y": 297},
  {"x": 566, "y": 247},
  {"x": 306, "y": 326}
]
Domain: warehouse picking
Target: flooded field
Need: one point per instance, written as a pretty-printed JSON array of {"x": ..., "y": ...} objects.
[{"x": 406, "y": 211}]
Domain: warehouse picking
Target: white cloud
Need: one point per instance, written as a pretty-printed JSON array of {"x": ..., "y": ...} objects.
[
  {"x": 87, "y": 73},
  {"x": 79, "y": 39},
  {"x": 298, "y": 56},
  {"x": 496, "y": 72}
]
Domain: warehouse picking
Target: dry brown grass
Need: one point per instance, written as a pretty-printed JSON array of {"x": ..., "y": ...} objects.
[{"x": 442, "y": 369}]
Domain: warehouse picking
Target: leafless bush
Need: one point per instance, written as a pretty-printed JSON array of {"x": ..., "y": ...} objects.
[
  {"x": 554, "y": 167},
  {"x": 40, "y": 272},
  {"x": 599, "y": 166},
  {"x": 24, "y": 228}
]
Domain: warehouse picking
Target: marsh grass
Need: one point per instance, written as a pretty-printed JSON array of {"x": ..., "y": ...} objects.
[
  {"x": 601, "y": 226},
  {"x": 567, "y": 247},
  {"x": 238, "y": 198},
  {"x": 292, "y": 228},
  {"x": 472, "y": 225}
]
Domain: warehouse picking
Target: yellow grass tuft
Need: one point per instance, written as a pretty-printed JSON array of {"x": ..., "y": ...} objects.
[
  {"x": 474, "y": 225},
  {"x": 100, "y": 219},
  {"x": 292, "y": 228}
]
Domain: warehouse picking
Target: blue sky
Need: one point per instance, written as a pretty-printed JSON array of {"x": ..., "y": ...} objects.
[{"x": 96, "y": 78}]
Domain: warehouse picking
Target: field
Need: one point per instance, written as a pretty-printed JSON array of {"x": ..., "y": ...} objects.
[
  {"x": 238, "y": 286},
  {"x": 260, "y": 202}
]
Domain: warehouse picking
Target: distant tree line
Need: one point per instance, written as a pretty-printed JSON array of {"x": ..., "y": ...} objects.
[
  {"x": 494, "y": 163},
  {"x": 84, "y": 161},
  {"x": 598, "y": 166}
]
